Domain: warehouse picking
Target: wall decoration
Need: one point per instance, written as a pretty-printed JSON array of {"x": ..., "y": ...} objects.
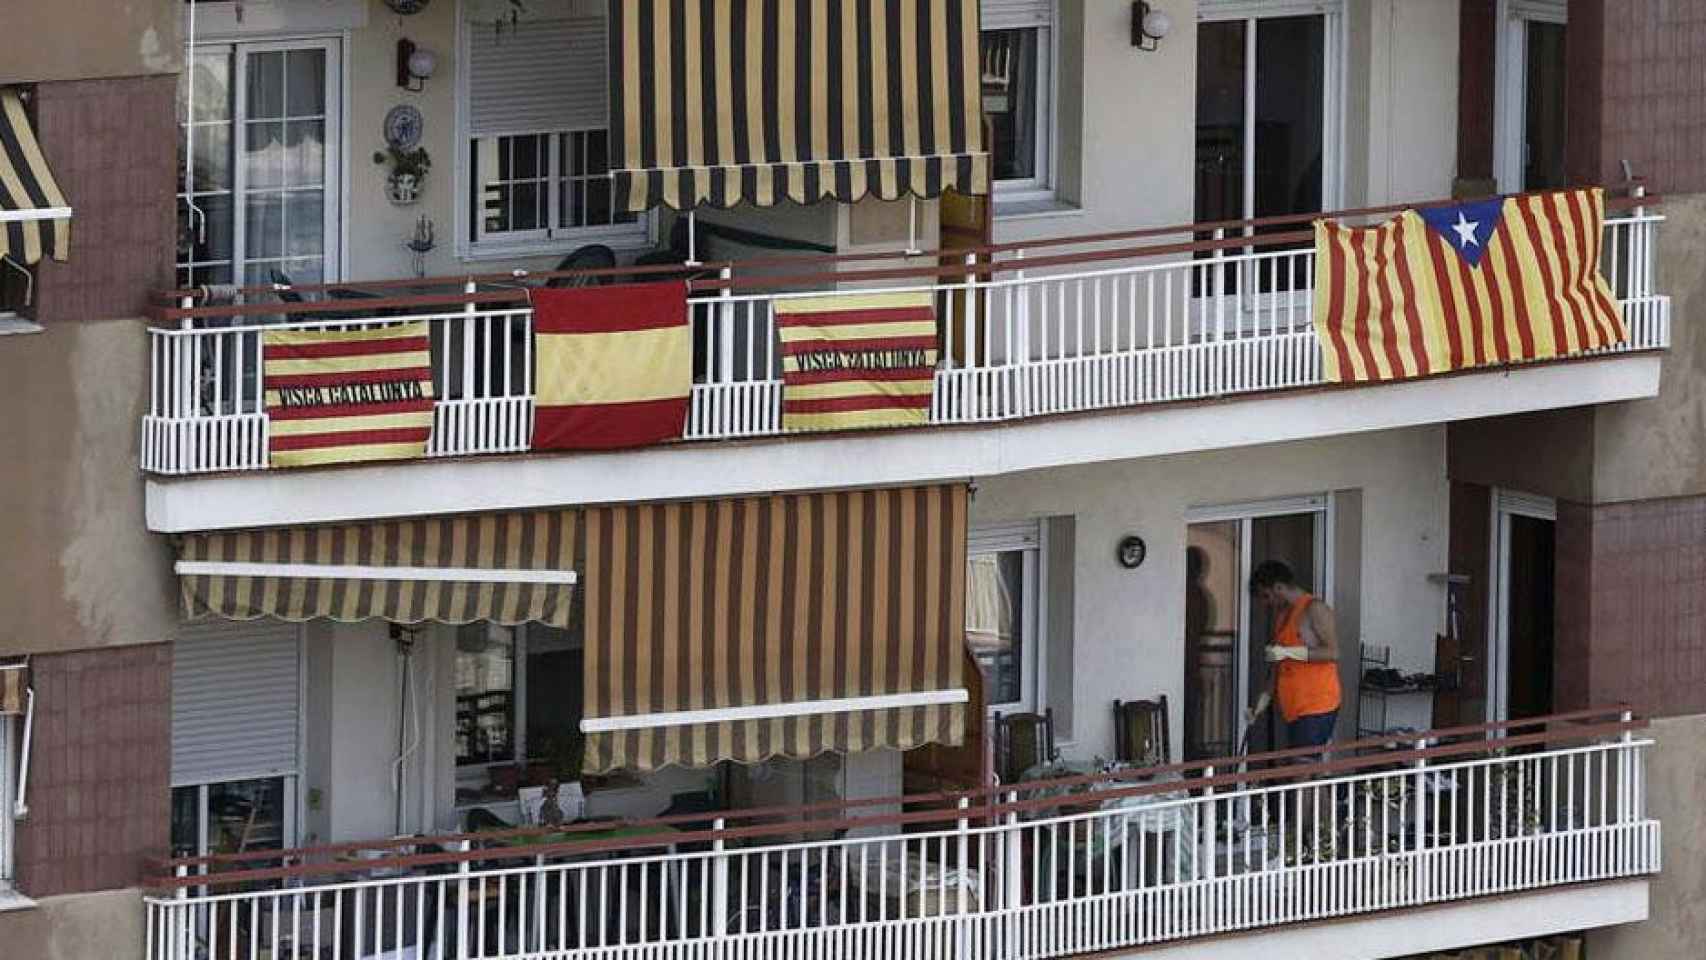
[
  {"x": 1132, "y": 551},
  {"x": 403, "y": 126},
  {"x": 405, "y": 8}
]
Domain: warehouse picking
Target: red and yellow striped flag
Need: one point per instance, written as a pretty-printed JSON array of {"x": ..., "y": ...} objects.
[
  {"x": 1489, "y": 282},
  {"x": 615, "y": 366},
  {"x": 348, "y": 395},
  {"x": 861, "y": 360}
]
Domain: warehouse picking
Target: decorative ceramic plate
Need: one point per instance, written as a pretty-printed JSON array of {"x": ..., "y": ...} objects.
[{"x": 403, "y": 127}]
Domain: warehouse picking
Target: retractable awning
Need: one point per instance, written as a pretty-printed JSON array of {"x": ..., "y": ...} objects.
[
  {"x": 719, "y": 102},
  {"x": 506, "y": 568},
  {"x": 780, "y": 626},
  {"x": 35, "y": 219}
]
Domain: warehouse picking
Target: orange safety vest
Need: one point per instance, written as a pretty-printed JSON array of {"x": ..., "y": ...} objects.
[{"x": 1305, "y": 688}]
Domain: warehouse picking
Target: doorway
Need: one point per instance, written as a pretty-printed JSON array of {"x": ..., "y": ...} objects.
[
  {"x": 1225, "y": 670},
  {"x": 1529, "y": 102},
  {"x": 1525, "y": 571}
]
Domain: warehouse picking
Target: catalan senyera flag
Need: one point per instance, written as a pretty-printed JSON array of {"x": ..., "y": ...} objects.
[
  {"x": 615, "y": 366},
  {"x": 1488, "y": 282},
  {"x": 859, "y": 360},
  {"x": 341, "y": 396}
]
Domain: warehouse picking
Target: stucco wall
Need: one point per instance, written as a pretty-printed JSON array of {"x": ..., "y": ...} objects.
[
  {"x": 87, "y": 39},
  {"x": 92, "y": 926},
  {"x": 1129, "y": 625},
  {"x": 79, "y": 568},
  {"x": 1676, "y": 780},
  {"x": 1657, "y": 448}
]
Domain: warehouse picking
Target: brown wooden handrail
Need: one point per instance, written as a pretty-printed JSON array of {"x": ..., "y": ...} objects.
[
  {"x": 984, "y": 812},
  {"x": 986, "y": 254}
]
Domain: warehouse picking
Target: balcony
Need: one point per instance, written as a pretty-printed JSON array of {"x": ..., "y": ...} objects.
[
  {"x": 1248, "y": 850},
  {"x": 1145, "y": 319}
]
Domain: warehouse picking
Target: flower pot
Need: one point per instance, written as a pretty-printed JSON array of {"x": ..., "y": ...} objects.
[{"x": 403, "y": 188}]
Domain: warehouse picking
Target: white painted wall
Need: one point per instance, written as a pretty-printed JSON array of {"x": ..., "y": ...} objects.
[{"x": 1129, "y": 625}]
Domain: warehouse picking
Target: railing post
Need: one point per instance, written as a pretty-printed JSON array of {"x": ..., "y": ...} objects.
[
  {"x": 969, "y": 342},
  {"x": 1626, "y": 811},
  {"x": 189, "y": 381},
  {"x": 1011, "y": 897},
  {"x": 1219, "y": 311},
  {"x": 463, "y": 869},
  {"x": 962, "y": 922},
  {"x": 719, "y": 882},
  {"x": 1210, "y": 826},
  {"x": 179, "y": 929},
  {"x": 725, "y": 331},
  {"x": 1420, "y": 816},
  {"x": 1021, "y": 359}
]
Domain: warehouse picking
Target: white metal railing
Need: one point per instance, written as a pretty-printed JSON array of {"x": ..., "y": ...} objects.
[
  {"x": 1015, "y": 343},
  {"x": 1036, "y": 875}
]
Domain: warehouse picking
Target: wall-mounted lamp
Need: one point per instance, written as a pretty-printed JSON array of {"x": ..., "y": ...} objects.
[
  {"x": 414, "y": 65},
  {"x": 1149, "y": 25}
]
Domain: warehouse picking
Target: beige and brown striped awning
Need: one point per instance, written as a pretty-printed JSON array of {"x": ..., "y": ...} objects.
[
  {"x": 35, "y": 220},
  {"x": 780, "y": 626},
  {"x": 507, "y": 568},
  {"x": 722, "y": 102}
]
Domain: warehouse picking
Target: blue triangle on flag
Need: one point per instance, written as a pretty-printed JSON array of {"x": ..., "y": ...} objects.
[{"x": 1466, "y": 227}]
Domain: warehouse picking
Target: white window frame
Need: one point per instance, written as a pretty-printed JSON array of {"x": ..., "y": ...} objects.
[
  {"x": 1510, "y": 84},
  {"x": 1322, "y": 506},
  {"x": 1027, "y": 537},
  {"x": 1332, "y": 85},
  {"x": 1042, "y": 186},
  {"x": 335, "y": 185},
  {"x": 288, "y": 807},
  {"x": 640, "y": 234}
]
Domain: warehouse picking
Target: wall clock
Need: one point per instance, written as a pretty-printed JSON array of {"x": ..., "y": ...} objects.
[{"x": 406, "y": 7}]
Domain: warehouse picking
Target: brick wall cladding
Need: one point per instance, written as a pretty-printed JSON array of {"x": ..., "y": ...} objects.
[
  {"x": 112, "y": 145},
  {"x": 99, "y": 790},
  {"x": 1637, "y": 91}
]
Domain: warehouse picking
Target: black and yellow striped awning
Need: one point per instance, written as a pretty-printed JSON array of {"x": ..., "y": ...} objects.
[
  {"x": 35, "y": 220},
  {"x": 719, "y": 102},
  {"x": 507, "y": 568}
]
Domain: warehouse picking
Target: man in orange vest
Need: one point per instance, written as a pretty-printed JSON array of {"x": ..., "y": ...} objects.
[{"x": 1305, "y": 654}]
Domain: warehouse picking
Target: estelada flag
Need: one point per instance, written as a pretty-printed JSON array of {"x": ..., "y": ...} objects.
[
  {"x": 1489, "y": 282},
  {"x": 857, "y": 360},
  {"x": 615, "y": 366},
  {"x": 341, "y": 396}
]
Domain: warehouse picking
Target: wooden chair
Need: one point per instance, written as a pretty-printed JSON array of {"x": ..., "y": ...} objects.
[
  {"x": 1023, "y": 741},
  {"x": 1141, "y": 735}
]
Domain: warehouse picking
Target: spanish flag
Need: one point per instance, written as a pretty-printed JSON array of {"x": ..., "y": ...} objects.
[
  {"x": 615, "y": 366},
  {"x": 1485, "y": 283},
  {"x": 857, "y": 360},
  {"x": 341, "y": 396}
]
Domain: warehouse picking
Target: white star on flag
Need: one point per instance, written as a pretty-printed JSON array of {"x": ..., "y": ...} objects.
[{"x": 1465, "y": 229}]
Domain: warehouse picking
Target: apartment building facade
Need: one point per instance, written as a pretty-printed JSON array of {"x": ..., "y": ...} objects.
[{"x": 273, "y": 705}]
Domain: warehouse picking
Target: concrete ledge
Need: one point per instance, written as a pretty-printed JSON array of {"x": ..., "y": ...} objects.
[{"x": 736, "y": 468}]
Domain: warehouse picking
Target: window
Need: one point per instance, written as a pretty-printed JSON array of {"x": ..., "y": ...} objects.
[
  {"x": 1528, "y": 146},
  {"x": 259, "y": 200},
  {"x": 1267, "y": 113},
  {"x": 17, "y": 290},
  {"x": 1017, "y": 79},
  {"x": 233, "y": 817},
  {"x": 518, "y": 703},
  {"x": 1003, "y": 574},
  {"x": 534, "y": 109}
]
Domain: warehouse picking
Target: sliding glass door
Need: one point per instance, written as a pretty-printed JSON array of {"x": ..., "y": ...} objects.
[{"x": 259, "y": 201}]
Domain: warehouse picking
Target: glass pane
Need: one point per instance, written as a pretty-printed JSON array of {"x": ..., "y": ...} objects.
[
  {"x": 995, "y": 622},
  {"x": 263, "y": 155},
  {"x": 1290, "y": 129},
  {"x": 1009, "y": 69},
  {"x": 283, "y": 271},
  {"x": 1220, "y": 121},
  {"x": 265, "y": 85},
  {"x": 247, "y": 815},
  {"x": 212, "y": 88},
  {"x": 211, "y": 237},
  {"x": 305, "y": 224},
  {"x": 524, "y": 157},
  {"x": 554, "y": 741},
  {"x": 1543, "y": 136},
  {"x": 186, "y": 821},
  {"x": 305, "y": 93},
  {"x": 1291, "y": 541},
  {"x": 524, "y": 207},
  {"x": 1212, "y": 604},
  {"x": 264, "y": 233},
  {"x": 305, "y": 153},
  {"x": 212, "y": 169},
  {"x": 485, "y": 694}
]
